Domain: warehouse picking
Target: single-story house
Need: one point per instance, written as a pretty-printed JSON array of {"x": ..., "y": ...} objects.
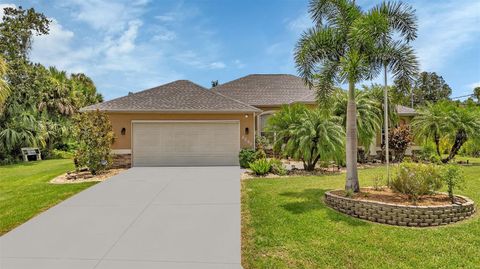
[{"x": 182, "y": 123}]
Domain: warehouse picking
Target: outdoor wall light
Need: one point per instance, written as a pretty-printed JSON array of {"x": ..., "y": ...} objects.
[
  {"x": 246, "y": 115},
  {"x": 123, "y": 131}
]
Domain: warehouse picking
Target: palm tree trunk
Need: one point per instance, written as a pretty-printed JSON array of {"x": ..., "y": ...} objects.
[
  {"x": 352, "y": 173},
  {"x": 385, "y": 122},
  {"x": 437, "y": 144},
  {"x": 460, "y": 139}
]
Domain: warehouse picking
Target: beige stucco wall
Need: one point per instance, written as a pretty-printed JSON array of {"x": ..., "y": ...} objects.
[{"x": 124, "y": 120}]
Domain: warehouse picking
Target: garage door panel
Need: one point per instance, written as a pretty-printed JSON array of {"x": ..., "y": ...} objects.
[{"x": 185, "y": 143}]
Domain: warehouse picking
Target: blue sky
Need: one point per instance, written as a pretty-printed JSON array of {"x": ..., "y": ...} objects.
[{"x": 135, "y": 44}]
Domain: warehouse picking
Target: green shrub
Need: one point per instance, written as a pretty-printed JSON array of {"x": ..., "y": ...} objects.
[
  {"x": 246, "y": 156},
  {"x": 260, "y": 154},
  {"x": 261, "y": 142},
  {"x": 453, "y": 177},
  {"x": 415, "y": 179},
  {"x": 93, "y": 132},
  {"x": 277, "y": 167},
  {"x": 60, "y": 154},
  {"x": 261, "y": 167}
]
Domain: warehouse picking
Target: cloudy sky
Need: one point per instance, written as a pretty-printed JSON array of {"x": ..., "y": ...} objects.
[{"x": 135, "y": 44}]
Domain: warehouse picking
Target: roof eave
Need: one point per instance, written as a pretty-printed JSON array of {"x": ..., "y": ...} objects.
[{"x": 172, "y": 111}]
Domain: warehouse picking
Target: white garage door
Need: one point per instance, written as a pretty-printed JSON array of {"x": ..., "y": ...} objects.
[{"x": 185, "y": 143}]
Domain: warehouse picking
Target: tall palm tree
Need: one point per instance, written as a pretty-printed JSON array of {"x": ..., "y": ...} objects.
[
  {"x": 4, "y": 89},
  {"x": 341, "y": 48},
  {"x": 396, "y": 56},
  {"x": 58, "y": 98}
]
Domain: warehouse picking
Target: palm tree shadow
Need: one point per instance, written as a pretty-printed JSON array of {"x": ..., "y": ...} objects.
[{"x": 312, "y": 200}]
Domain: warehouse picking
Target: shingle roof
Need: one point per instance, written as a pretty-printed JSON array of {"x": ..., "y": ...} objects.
[
  {"x": 176, "y": 96},
  {"x": 267, "y": 89},
  {"x": 405, "y": 111}
]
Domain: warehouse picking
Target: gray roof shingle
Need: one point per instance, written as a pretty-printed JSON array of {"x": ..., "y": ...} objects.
[
  {"x": 176, "y": 96},
  {"x": 267, "y": 89}
]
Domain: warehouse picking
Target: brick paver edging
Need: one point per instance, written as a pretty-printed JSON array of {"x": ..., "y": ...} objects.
[{"x": 401, "y": 215}]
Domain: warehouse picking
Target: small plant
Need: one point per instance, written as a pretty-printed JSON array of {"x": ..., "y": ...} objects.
[
  {"x": 260, "y": 167},
  {"x": 415, "y": 179},
  {"x": 261, "y": 142},
  {"x": 377, "y": 183},
  {"x": 277, "y": 167},
  {"x": 246, "y": 156},
  {"x": 349, "y": 193},
  {"x": 260, "y": 154},
  {"x": 453, "y": 177}
]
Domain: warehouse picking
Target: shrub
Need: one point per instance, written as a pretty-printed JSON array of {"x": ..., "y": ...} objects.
[
  {"x": 260, "y": 154},
  {"x": 415, "y": 179},
  {"x": 453, "y": 177},
  {"x": 399, "y": 140},
  {"x": 60, "y": 154},
  {"x": 260, "y": 167},
  {"x": 94, "y": 135},
  {"x": 277, "y": 167},
  {"x": 261, "y": 142},
  {"x": 246, "y": 156}
]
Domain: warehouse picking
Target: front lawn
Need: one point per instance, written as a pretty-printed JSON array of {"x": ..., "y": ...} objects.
[
  {"x": 25, "y": 191},
  {"x": 285, "y": 224}
]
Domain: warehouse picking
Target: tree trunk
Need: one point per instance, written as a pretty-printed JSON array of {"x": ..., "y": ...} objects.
[
  {"x": 460, "y": 139},
  {"x": 385, "y": 122},
  {"x": 437, "y": 144},
  {"x": 351, "y": 150}
]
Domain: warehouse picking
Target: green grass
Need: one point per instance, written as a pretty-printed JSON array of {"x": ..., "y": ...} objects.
[
  {"x": 285, "y": 224},
  {"x": 25, "y": 191}
]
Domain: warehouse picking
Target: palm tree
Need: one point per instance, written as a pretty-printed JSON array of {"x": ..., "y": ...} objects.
[
  {"x": 341, "y": 48},
  {"x": 4, "y": 89},
  {"x": 431, "y": 123},
  {"x": 396, "y": 56},
  {"x": 465, "y": 123},
  {"x": 369, "y": 114},
  {"x": 58, "y": 97},
  {"x": 308, "y": 135}
]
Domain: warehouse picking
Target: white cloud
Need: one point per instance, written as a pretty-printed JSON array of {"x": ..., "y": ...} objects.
[
  {"x": 300, "y": 23},
  {"x": 444, "y": 29},
  {"x": 239, "y": 64},
  {"x": 474, "y": 85},
  {"x": 217, "y": 65},
  {"x": 126, "y": 42}
]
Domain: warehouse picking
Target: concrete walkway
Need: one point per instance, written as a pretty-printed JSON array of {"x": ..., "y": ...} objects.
[{"x": 155, "y": 217}]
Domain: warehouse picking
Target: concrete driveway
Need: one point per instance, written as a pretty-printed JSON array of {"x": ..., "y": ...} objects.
[{"x": 155, "y": 217}]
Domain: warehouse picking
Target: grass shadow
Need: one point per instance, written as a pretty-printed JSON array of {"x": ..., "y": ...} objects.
[{"x": 312, "y": 199}]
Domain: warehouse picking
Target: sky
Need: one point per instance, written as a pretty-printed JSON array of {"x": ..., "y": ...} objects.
[{"x": 127, "y": 46}]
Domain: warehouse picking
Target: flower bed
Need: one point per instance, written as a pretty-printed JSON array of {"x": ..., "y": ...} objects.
[{"x": 401, "y": 214}]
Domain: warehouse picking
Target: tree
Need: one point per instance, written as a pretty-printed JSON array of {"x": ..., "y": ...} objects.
[
  {"x": 309, "y": 135},
  {"x": 430, "y": 87},
  {"x": 464, "y": 124},
  {"x": 431, "y": 123},
  {"x": 4, "y": 88},
  {"x": 94, "y": 134},
  {"x": 369, "y": 114},
  {"x": 344, "y": 47},
  {"x": 396, "y": 55},
  {"x": 214, "y": 83},
  {"x": 476, "y": 94},
  {"x": 17, "y": 30},
  {"x": 84, "y": 91}
]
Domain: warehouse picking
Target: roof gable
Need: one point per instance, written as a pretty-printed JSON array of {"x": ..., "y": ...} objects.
[{"x": 176, "y": 96}]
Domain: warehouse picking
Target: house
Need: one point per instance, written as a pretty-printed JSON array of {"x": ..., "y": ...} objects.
[{"x": 182, "y": 123}]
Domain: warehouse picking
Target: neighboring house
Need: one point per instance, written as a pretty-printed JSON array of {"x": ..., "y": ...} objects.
[{"x": 182, "y": 123}]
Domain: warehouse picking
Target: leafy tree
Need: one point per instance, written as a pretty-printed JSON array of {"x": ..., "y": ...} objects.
[
  {"x": 430, "y": 87},
  {"x": 17, "y": 30},
  {"x": 476, "y": 94},
  {"x": 344, "y": 46},
  {"x": 307, "y": 134},
  {"x": 94, "y": 134},
  {"x": 84, "y": 90}
]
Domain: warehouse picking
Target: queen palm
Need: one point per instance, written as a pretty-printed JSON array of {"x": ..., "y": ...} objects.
[
  {"x": 396, "y": 56},
  {"x": 343, "y": 47}
]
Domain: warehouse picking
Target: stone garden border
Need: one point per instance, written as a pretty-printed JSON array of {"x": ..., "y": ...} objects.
[{"x": 401, "y": 215}]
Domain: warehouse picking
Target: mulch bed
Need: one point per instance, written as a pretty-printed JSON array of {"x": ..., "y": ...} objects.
[
  {"x": 386, "y": 195},
  {"x": 85, "y": 176}
]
